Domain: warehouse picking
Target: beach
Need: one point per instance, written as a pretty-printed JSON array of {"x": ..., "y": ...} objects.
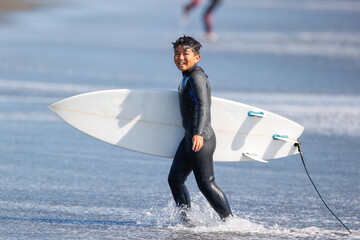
[
  {"x": 301, "y": 61},
  {"x": 7, "y": 6}
]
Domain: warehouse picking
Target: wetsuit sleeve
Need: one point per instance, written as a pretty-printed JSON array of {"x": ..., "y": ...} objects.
[{"x": 198, "y": 84}]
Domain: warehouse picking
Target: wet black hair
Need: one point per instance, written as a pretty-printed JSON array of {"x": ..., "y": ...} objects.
[{"x": 188, "y": 43}]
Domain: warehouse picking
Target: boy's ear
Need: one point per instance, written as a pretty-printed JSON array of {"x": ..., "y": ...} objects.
[{"x": 197, "y": 57}]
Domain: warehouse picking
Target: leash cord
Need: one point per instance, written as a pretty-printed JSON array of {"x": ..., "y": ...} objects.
[{"x": 298, "y": 145}]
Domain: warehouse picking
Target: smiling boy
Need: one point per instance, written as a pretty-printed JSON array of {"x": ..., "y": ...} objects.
[{"x": 195, "y": 152}]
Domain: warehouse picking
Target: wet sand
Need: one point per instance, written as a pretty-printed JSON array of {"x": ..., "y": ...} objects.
[
  {"x": 7, "y": 6},
  {"x": 18, "y": 5}
]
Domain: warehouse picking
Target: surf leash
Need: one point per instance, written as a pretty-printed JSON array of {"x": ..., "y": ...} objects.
[{"x": 298, "y": 145}]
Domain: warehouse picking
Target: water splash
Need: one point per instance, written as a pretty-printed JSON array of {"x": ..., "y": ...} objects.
[{"x": 206, "y": 222}]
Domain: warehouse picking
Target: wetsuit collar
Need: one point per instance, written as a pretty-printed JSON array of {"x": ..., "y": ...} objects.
[{"x": 188, "y": 72}]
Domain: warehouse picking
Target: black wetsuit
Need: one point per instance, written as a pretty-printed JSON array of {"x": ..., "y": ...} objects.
[{"x": 195, "y": 102}]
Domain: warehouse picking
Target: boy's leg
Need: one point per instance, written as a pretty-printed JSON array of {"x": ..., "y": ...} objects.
[
  {"x": 179, "y": 171},
  {"x": 202, "y": 164}
]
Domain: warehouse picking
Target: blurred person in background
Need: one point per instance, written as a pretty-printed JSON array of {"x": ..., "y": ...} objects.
[{"x": 207, "y": 18}]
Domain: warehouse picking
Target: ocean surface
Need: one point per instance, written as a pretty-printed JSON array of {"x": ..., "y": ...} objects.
[{"x": 299, "y": 59}]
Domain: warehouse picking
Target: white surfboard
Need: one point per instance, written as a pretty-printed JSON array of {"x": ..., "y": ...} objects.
[{"x": 149, "y": 122}]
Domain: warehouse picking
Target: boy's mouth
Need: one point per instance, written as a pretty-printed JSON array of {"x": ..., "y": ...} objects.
[{"x": 182, "y": 63}]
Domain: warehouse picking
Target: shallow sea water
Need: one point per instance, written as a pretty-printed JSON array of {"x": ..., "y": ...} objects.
[{"x": 299, "y": 61}]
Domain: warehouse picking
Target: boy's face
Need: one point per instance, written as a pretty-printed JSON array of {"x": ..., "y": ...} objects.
[{"x": 185, "y": 58}]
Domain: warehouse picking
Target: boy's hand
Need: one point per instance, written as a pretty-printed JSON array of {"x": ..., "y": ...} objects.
[{"x": 198, "y": 143}]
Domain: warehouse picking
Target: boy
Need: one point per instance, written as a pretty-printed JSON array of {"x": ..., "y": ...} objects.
[{"x": 195, "y": 152}]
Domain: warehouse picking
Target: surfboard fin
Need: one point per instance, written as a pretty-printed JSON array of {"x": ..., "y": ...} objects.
[
  {"x": 284, "y": 138},
  {"x": 254, "y": 157},
  {"x": 256, "y": 114}
]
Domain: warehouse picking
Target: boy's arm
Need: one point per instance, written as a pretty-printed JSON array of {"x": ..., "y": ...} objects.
[{"x": 198, "y": 84}]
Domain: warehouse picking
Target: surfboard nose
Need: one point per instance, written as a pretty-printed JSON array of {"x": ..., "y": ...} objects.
[{"x": 52, "y": 107}]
